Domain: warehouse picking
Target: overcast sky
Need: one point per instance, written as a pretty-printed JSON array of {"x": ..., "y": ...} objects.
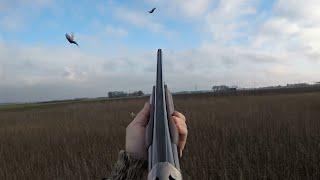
[{"x": 205, "y": 42}]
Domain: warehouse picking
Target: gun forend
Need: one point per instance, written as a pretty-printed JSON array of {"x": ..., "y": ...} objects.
[{"x": 161, "y": 135}]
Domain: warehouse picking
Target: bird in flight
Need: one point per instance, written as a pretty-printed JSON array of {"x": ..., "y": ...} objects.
[
  {"x": 152, "y": 10},
  {"x": 70, "y": 38}
]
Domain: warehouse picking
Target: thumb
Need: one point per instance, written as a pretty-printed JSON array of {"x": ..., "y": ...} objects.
[{"x": 143, "y": 116}]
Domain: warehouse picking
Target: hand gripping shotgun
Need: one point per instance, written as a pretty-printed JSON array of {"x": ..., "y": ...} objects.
[{"x": 161, "y": 134}]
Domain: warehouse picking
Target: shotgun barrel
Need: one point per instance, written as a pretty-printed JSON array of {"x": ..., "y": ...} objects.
[{"x": 162, "y": 135}]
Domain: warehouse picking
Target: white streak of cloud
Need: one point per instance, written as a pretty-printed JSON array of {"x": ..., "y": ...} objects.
[
  {"x": 293, "y": 29},
  {"x": 283, "y": 48},
  {"x": 116, "y": 31},
  {"x": 227, "y": 20},
  {"x": 139, "y": 19},
  {"x": 73, "y": 74},
  {"x": 15, "y": 16}
]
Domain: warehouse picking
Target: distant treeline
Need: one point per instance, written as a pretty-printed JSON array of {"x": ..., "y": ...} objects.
[
  {"x": 258, "y": 91},
  {"x": 117, "y": 94}
]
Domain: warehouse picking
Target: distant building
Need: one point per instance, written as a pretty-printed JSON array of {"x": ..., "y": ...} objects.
[
  {"x": 223, "y": 88},
  {"x": 298, "y": 85},
  {"x": 117, "y": 94},
  {"x": 136, "y": 93}
]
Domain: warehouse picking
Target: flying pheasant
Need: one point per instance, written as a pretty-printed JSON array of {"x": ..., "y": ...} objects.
[
  {"x": 152, "y": 10},
  {"x": 70, "y": 38}
]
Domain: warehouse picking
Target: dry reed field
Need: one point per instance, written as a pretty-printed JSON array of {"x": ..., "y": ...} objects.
[{"x": 230, "y": 137}]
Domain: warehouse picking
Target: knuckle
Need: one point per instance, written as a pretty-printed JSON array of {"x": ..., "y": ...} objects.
[
  {"x": 176, "y": 120},
  {"x": 180, "y": 115}
]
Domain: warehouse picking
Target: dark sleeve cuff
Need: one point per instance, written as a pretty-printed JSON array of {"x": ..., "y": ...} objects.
[{"x": 128, "y": 167}]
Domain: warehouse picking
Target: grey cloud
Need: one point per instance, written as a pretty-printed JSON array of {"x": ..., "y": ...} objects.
[
  {"x": 262, "y": 58},
  {"x": 315, "y": 56},
  {"x": 55, "y": 73},
  {"x": 229, "y": 20},
  {"x": 291, "y": 30},
  {"x": 228, "y": 61},
  {"x": 277, "y": 53},
  {"x": 305, "y": 12},
  {"x": 95, "y": 86}
]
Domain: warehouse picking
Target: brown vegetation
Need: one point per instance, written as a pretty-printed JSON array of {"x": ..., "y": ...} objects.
[{"x": 232, "y": 137}]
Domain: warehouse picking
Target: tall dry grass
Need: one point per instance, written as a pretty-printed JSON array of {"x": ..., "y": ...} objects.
[{"x": 234, "y": 137}]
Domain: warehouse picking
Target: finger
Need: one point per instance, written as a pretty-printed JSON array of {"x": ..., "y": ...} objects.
[
  {"x": 143, "y": 116},
  {"x": 178, "y": 114},
  {"x": 179, "y": 122},
  {"x": 182, "y": 130},
  {"x": 181, "y": 125}
]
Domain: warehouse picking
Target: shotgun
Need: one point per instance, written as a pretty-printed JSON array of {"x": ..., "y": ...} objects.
[{"x": 161, "y": 134}]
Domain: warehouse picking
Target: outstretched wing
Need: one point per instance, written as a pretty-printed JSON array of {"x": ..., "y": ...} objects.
[
  {"x": 72, "y": 36},
  {"x": 69, "y": 38},
  {"x": 152, "y": 10}
]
